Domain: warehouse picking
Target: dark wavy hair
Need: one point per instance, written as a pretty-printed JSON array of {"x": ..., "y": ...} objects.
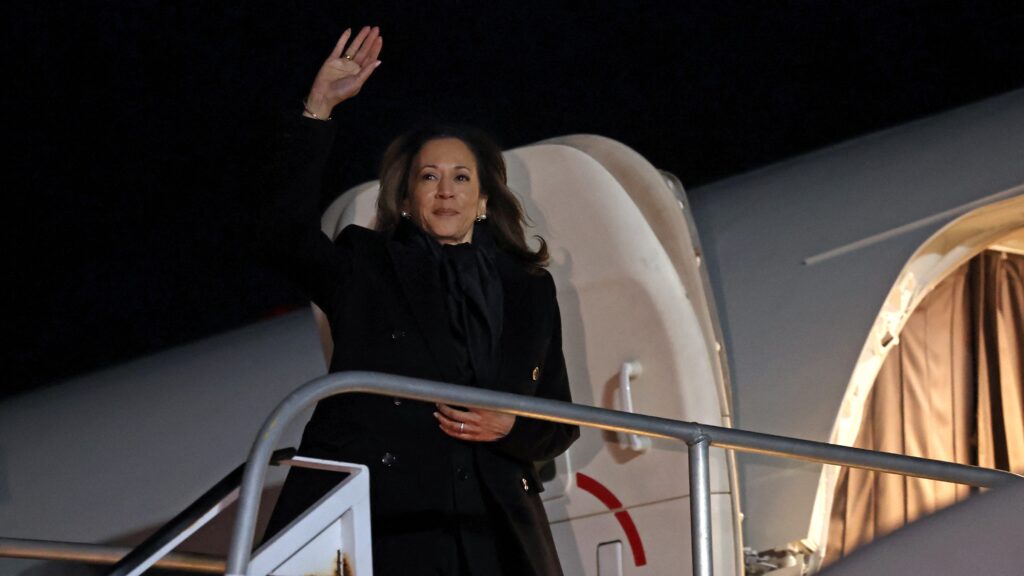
[{"x": 505, "y": 216}]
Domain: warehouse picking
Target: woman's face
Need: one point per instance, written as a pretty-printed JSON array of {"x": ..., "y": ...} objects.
[{"x": 444, "y": 191}]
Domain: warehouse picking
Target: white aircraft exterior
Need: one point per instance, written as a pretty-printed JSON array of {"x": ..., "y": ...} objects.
[{"x": 812, "y": 260}]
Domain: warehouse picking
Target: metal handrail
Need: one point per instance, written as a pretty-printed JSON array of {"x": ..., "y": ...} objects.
[
  {"x": 168, "y": 536},
  {"x": 103, "y": 554},
  {"x": 697, "y": 436}
]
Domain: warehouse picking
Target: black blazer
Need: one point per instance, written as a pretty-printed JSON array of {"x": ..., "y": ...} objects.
[{"x": 384, "y": 302}]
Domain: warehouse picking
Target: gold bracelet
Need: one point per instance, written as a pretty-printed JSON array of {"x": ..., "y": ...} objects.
[{"x": 305, "y": 107}]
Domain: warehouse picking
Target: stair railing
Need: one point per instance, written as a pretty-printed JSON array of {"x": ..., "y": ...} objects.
[{"x": 698, "y": 437}]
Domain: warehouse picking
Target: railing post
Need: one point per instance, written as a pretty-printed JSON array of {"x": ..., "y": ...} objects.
[{"x": 700, "y": 506}]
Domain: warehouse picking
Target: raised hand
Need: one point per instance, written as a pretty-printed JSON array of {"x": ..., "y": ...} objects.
[{"x": 344, "y": 72}]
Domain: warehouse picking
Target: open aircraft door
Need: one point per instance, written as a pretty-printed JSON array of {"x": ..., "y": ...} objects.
[
  {"x": 997, "y": 226},
  {"x": 640, "y": 334}
]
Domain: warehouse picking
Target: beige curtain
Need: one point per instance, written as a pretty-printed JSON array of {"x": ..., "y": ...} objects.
[
  {"x": 950, "y": 390},
  {"x": 999, "y": 281}
]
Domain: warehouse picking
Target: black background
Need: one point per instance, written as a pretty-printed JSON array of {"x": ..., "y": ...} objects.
[{"x": 135, "y": 127}]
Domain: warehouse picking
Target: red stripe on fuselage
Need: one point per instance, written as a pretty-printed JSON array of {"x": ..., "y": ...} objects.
[{"x": 602, "y": 493}]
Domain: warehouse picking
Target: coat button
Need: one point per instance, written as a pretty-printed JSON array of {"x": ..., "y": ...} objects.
[
  {"x": 462, "y": 474},
  {"x": 536, "y": 373},
  {"x": 388, "y": 459},
  {"x": 526, "y": 485},
  {"x": 398, "y": 401}
]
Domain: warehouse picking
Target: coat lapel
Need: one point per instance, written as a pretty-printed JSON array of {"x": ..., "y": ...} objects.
[
  {"x": 517, "y": 314},
  {"x": 421, "y": 284}
]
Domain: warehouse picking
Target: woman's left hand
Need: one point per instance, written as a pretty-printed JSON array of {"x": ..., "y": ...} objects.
[{"x": 474, "y": 424}]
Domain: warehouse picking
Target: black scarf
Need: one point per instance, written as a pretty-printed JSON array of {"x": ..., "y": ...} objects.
[{"x": 473, "y": 301}]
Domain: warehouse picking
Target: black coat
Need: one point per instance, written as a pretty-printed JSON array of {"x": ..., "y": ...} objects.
[{"x": 385, "y": 304}]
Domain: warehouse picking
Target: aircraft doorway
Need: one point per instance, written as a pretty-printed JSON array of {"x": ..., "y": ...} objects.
[{"x": 940, "y": 377}]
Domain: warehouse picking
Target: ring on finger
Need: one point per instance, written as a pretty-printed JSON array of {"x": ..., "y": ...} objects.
[
  {"x": 348, "y": 56},
  {"x": 462, "y": 427}
]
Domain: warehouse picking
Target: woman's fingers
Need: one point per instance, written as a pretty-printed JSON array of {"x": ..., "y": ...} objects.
[
  {"x": 350, "y": 53},
  {"x": 459, "y": 415},
  {"x": 343, "y": 74},
  {"x": 367, "y": 70},
  {"x": 473, "y": 424},
  {"x": 454, "y": 428},
  {"x": 362, "y": 49},
  {"x": 336, "y": 53},
  {"x": 460, "y": 424},
  {"x": 375, "y": 49},
  {"x": 369, "y": 62}
]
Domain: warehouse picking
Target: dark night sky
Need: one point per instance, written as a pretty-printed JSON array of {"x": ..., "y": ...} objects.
[{"x": 138, "y": 126}]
